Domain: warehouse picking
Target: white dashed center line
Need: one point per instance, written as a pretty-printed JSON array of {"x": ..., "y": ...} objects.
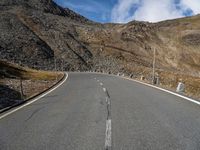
[{"x": 108, "y": 135}]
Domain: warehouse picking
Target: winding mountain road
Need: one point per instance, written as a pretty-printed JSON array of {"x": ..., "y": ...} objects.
[{"x": 98, "y": 112}]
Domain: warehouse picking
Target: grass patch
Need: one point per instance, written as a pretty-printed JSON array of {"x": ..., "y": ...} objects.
[{"x": 8, "y": 70}]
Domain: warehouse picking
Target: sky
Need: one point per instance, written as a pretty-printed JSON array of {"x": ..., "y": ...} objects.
[{"x": 123, "y": 11}]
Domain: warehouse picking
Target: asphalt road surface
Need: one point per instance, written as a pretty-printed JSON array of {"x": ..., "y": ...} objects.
[{"x": 98, "y": 112}]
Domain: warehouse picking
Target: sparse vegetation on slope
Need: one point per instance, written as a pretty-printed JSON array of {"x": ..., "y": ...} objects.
[
  {"x": 32, "y": 81},
  {"x": 42, "y": 35}
]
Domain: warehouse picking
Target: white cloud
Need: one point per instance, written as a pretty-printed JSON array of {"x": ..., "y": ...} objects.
[
  {"x": 194, "y": 5},
  {"x": 152, "y": 10},
  {"x": 120, "y": 12},
  {"x": 157, "y": 10}
]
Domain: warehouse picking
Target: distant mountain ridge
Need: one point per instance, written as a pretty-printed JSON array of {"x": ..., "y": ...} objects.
[
  {"x": 48, "y": 6},
  {"x": 40, "y": 34}
]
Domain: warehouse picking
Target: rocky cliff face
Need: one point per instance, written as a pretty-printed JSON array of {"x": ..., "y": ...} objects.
[{"x": 40, "y": 34}]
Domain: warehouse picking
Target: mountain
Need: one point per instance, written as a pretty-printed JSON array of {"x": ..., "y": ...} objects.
[
  {"x": 40, "y": 34},
  {"x": 35, "y": 33},
  {"x": 47, "y": 6}
]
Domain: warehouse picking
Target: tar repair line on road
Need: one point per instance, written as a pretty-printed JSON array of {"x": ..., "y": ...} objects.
[{"x": 108, "y": 133}]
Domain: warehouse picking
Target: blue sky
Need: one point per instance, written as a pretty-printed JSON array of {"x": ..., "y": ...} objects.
[
  {"x": 122, "y": 11},
  {"x": 97, "y": 10}
]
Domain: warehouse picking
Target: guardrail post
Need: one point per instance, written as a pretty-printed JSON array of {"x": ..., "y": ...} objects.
[
  {"x": 180, "y": 88},
  {"x": 142, "y": 78}
]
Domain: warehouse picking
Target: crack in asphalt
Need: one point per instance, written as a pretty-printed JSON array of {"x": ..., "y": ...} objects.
[{"x": 33, "y": 113}]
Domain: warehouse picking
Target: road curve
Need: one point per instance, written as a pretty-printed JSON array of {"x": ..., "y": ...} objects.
[{"x": 97, "y": 112}]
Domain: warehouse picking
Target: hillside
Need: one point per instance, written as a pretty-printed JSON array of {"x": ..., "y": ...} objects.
[
  {"x": 35, "y": 33},
  {"x": 43, "y": 35}
]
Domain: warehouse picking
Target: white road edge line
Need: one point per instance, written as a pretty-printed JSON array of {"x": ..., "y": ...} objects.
[
  {"x": 34, "y": 100},
  {"x": 108, "y": 140},
  {"x": 173, "y": 93},
  {"x": 104, "y": 89}
]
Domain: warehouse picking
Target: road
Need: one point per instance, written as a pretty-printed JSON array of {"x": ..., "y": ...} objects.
[{"x": 97, "y": 112}]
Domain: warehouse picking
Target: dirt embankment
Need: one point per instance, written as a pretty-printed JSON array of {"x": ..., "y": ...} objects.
[{"x": 18, "y": 84}]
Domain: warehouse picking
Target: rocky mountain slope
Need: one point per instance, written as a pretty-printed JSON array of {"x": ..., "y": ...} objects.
[
  {"x": 43, "y": 35},
  {"x": 36, "y": 33},
  {"x": 40, "y": 33}
]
